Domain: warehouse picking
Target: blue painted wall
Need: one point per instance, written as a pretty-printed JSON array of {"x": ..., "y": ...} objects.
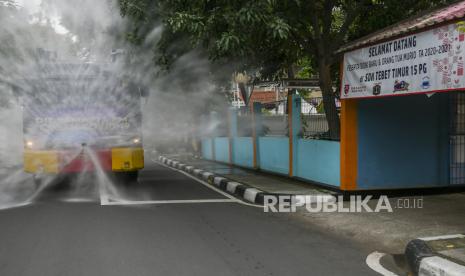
[
  {"x": 274, "y": 154},
  {"x": 207, "y": 148},
  {"x": 243, "y": 151},
  {"x": 318, "y": 160},
  {"x": 222, "y": 149},
  {"x": 403, "y": 142}
]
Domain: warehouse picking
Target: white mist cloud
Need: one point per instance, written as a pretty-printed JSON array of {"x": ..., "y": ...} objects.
[
  {"x": 87, "y": 31},
  {"x": 32, "y": 6}
]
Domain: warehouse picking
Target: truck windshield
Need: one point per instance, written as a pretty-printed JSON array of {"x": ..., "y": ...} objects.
[{"x": 64, "y": 112}]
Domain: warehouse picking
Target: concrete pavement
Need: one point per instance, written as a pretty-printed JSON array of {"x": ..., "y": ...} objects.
[
  {"x": 413, "y": 216},
  {"x": 253, "y": 188},
  {"x": 419, "y": 215},
  {"x": 192, "y": 237},
  {"x": 263, "y": 181}
]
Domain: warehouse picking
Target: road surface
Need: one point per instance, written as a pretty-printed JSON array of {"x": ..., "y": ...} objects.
[{"x": 202, "y": 232}]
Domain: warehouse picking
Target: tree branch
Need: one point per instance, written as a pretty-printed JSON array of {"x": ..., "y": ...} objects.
[
  {"x": 314, "y": 21},
  {"x": 327, "y": 16},
  {"x": 350, "y": 16}
]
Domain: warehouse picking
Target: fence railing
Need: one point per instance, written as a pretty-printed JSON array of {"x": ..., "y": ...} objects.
[
  {"x": 314, "y": 121},
  {"x": 274, "y": 121},
  {"x": 244, "y": 125},
  {"x": 275, "y": 118},
  {"x": 274, "y": 108}
]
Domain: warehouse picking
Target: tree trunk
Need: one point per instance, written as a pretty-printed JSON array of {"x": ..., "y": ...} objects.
[
  {"x": 243, "y": 91},
  {"x": 291, "y": 75},
  {"x": 329, "y": 99}
]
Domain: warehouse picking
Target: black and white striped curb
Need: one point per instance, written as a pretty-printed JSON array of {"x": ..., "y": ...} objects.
[
  {"x": 424, "y": 261},
  {"x": 237, "y": 189}
]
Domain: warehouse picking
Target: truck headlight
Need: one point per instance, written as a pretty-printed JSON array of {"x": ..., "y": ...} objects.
[
  {"x": 136, "y": 140},
  {"x": 29, "y": 144}
]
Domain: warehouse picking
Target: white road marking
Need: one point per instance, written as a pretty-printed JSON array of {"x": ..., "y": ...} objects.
[
  {"x": 78, "y": 200},
  {"x": 444, "y": 237},
  {"x": 103, "y": 198},
  {"x": 142, "y": 202},
  {"x": 372, "y": 261},
  {"x": 210, "y": 186}
]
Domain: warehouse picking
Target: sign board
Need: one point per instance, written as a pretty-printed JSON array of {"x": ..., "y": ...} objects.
[{"x": 426, "y": 62}]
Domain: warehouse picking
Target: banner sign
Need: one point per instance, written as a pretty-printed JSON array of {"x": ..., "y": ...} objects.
[{"x": 426, "y": 62}]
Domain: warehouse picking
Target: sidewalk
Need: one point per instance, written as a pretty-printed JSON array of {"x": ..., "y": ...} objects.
[
  {"x": 266, "y": 182},
  {"x": 388, "y": 232}
]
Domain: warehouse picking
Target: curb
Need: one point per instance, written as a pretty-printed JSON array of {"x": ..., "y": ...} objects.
[
  {"x": 243, "y": 191},
  {"x": 247, "y": 193},
  {"x": 424, "y": 261}
]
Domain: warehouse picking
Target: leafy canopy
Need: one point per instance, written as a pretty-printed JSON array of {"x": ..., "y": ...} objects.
[{"x": 270, "y": 35}]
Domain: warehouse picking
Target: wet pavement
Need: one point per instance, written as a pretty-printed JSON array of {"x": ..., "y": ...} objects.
[{"x": 166, "y": 224}]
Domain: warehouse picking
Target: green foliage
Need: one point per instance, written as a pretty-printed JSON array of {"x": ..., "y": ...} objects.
[
  {"x": 22, "y": 34},
  {"x": 250, "y": 31},
  {"x": 320, "y": 108},
  {"x": 306, "y": 68},
  {"x": 382, "y": 13},
  {"x": 269, "y": 36}
]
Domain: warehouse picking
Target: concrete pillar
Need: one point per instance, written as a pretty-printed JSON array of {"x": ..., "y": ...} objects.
[
  {"x": 349, "y": 144},
  {"x": 295, "y": 129},
  {"x": 257, "y": 131}
]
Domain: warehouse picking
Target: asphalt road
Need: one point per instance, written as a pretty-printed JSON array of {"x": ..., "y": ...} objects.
[{"x": 68, "y": 232}]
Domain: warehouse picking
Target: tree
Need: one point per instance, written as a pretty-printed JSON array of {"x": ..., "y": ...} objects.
[
  {"x": 269, "y": 35},
  {"x": 22, "y": 35}
]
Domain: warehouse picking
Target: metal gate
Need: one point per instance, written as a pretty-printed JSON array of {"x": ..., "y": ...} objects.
[{"x": 457, "y": 138}]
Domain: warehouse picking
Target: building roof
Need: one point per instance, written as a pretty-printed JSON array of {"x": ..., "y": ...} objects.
[
  {"x": 266, "y": 96},
  {"x": 449, "y": 13}
]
